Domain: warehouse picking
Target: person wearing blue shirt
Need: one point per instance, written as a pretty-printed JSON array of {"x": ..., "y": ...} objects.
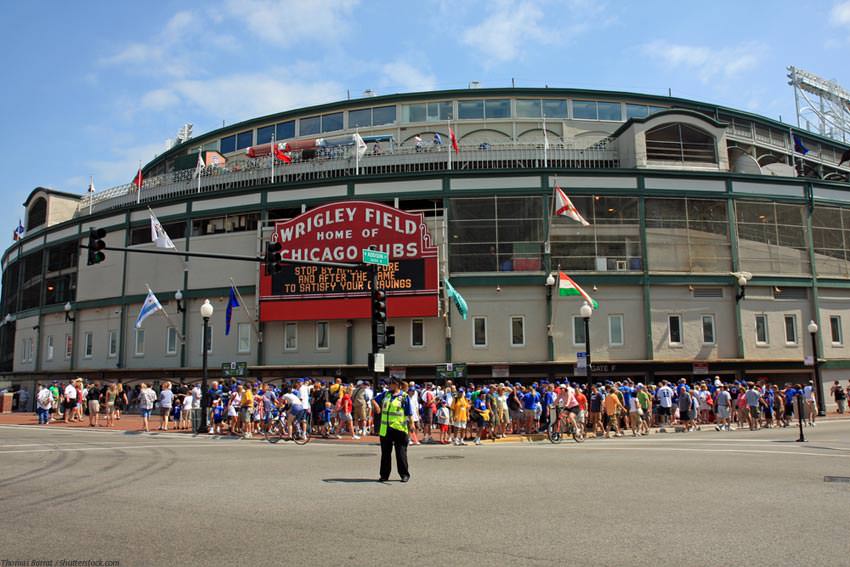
[
  {"x": 394, "y": 417},
  {"x": 529, "y": 404},
  {"x": 790, "y": 404}
]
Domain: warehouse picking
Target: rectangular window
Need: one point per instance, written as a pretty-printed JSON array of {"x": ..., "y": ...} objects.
[
  {"x": 285, "y": 130},
  {"x": 171, "y": 341},
  {"x": 24, "y": 356},
  {"x": 518, "y": 331},
  {"x": 555, "y": 108},
  {"x": 112, "y": 344},
  {"x": 439, "y": 111},
  {"x": 479, "y": 332},
  {"x": 360, "y": 118},
  {"x": 615, "y": 330},
  {"x": 609, "y": 111},
  {"x": 69, "y": 346},
  {"x": 417, "y": 333},
  {"x": 244, "y": 139},
  {"x": 264, "y": 134},
  {"x": 790, "y": 329},
  {"x": 209, "y": 339},
  {"x": 88, "y": 345},
  {"x": 674, "y": 324},
  {"x": 322, "y": 338},
  {"x": 413, "y": 112},
  {"x": 497, "y": 108},
  {"x": 579, "y": 337},
  {"x": 762, "y": 337},
  {"x": 332, "y": 122},
  {"x": 140, "y": 342},
  {"x": 227, "y": 145},
  {"x": 382, "y": 115},
  {"x": 311, "y": 125},
  {"x": 470, "y": 109},
  {"x": 290, "y": 336},
  {"x": 637, "y": 111},
  {"x": 834, "y": 329},
  {"x": 708, "y": 329},
  {"x": 423, "y": 112},
  {"x": 243, "y": 337},
  {"x": 528, "y": 108},
  {"x": 49, "y": 348},
  {"x": 584, "y": 110}
]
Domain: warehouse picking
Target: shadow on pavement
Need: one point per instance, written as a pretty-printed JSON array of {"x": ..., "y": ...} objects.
[{"x": 357, "y": 480}]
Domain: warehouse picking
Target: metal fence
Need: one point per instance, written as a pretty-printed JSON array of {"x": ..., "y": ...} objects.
[{"x": 341, "y": 163}]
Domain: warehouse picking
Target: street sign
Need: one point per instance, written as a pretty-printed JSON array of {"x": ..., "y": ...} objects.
[
  {"x": 700, "y": 368},
  {"x": 581, "y": 364},
  {"x": 451, "y": 371},
  {"x": 808, "y": 361},
  {"x": 379, "y": 362},
  {"x": 234, "y": 369},
  {"x": 376, "y": 257}
]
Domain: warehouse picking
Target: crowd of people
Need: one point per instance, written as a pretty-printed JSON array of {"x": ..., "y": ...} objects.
[{"x": 445, "y": 413}]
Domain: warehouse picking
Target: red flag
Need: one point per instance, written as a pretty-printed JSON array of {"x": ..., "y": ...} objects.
[
  {"x": 138, "y": 180},
  {"x": 279, "y": 154},
  {"x": 454, "y": 140}
]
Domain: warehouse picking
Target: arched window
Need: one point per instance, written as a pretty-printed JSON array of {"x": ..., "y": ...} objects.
[
  {"x": 680, "y": 142},
  {"x": 37, "y": 214}
]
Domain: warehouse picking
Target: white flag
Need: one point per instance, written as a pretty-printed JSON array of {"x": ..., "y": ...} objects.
[
  {"x": 565, "y": 208},
  {"x": 151, "y": 305},
  {"x": 361, "y": 146},
  {"x": 91, "y": 185},
  {"x": 199, "y": 167},
  {"x": 158, "y": 234}
]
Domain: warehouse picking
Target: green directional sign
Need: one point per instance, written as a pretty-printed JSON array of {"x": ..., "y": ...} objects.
[
  {"x": 376, "y": 257},
  {"x": 234, "y": 369}
]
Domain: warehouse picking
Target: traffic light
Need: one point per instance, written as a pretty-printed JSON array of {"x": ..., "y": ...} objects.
[
  {"x": 379, "y": 306},
  {"x": 389, "y": 335},
  {"x": 96, "y": 246},
  {"x": 273, "y": 257}
]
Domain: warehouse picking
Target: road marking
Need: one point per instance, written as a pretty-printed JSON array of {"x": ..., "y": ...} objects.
[
  {"x": 745, "y": 451},
  {"x": 121, "y": 448}
]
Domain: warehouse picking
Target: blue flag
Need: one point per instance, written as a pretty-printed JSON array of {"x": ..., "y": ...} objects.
[
  {"x": 458, "y": 299},
  {"x": 798, "y": 145},
  {"x": 150, "y": 306},
  {"x": 231, "y": 303}
]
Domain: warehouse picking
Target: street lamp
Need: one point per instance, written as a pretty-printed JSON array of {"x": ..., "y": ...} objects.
[
  {"x": 178, "y": 297},
  {"x": 742, "y": 286},
  {"x": 68, "y": 308},
  {"x": 586, "y": 311},
  {"x": 813, "y": 331},
  {"x": 550, "y": 283},
  {"x": 206, "y": 313}
]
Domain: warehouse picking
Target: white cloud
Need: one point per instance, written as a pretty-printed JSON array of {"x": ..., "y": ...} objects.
[
  {"x": 501, "y": 35},
  {"x": 706, "y": 62},
  {"x": 404, "y": 77},
  {"x": 120, "y": 167},
  {"x": 290, "y": 22},
  {"x": 841, "y": 13},
  {"x": 159, "y": 99},
  {"x": 241, "y": 96}
]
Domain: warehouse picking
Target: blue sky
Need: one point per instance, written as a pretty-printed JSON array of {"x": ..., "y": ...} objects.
[{"x": 91, "y": 88}]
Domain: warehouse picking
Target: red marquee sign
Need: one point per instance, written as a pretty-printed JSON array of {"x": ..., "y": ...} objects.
[{"x": 339, "y": 232}]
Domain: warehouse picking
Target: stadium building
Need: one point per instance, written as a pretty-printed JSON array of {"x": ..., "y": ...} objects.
[{"x": 714, "y": 238}]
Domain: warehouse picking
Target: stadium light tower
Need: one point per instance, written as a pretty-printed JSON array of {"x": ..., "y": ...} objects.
[{"x": 823, "y": 106}]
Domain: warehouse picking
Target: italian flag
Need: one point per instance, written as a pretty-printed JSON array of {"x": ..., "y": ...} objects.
[{"x": 566, "y": 286}]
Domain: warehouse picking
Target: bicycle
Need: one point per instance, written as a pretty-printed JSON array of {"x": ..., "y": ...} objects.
[
  {"x": 562, "y": 425},
  {"x": 277, "y": 431}
]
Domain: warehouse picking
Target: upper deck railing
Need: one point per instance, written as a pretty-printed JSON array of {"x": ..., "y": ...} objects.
[{"x": 340, "y": 162}]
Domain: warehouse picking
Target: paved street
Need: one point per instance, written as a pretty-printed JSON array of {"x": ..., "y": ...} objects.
[{"x": 701, "y": 498}]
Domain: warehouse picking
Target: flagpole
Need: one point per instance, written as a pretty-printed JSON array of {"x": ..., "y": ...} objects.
[
  {"x": 449, "y": 134},
  {"x": 167, "y": 318},
  {"x": 139, "y": 186},
  {"x": 356, "y": 152},
  {"x": 245, "y": 305},
  {"x": 274, "y": 158},
  {"x": 200, "y": 152},
  {"x": 545, "y": 144},
  {"x": 91, "y": 193},
  {"x": 548, "y": 245}
]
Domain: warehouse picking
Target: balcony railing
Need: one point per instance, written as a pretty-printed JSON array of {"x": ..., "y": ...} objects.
[{"x": 340, "y": 162}]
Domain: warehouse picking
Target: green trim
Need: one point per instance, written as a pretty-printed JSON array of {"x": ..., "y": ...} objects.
[
  {"x": 732, "y": 222},
  {"x": 812, "y": 260},
  {"x": 184, "y": 323},
  {"x": 122, "y": 340},
  {"x": 840, "y": 364},
  {"x": 547, "y": 264},
  {"x": 645, "y": 287}
]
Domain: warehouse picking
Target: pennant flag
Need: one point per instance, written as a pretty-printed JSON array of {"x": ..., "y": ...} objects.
[
  {"x": 158, "y": 234},
  {"x": 281, "y": 154},
  {"x": 798, "y": 145},
  {"x": 232, "y": 303},
  {"x": 151, "y": 305},
  {"x": 138, "y": 180},
  {"x": 18, "y": 233},
  {"x": 566, "y": 286},
  {"x": 437, "y": 139},
  {"x": 565, "y": 208},
  {"x": 844, "y": 157},
  {"x": 91, "y": 185},
  {"x": 454, "y": 140},
  {"x": 460, "y": 302}
]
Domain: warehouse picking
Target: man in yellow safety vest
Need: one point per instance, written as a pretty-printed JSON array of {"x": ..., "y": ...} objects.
[{"x": 394, "y": 415}]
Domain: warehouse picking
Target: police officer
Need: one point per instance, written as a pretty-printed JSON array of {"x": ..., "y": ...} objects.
[{"x": 393, "y": 410}]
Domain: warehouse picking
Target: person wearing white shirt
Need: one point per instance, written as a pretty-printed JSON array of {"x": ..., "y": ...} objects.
[
  {"x": 70, "y": 401},
  {"x": 44, "y": 401},
  {"x": 664, "y": 395},
  {"x": 809, "y": 399}
]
